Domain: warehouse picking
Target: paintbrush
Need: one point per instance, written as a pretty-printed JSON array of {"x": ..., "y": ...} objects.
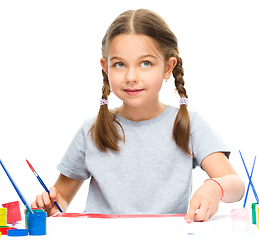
[
  {"x": 42, "y": 183},
  {"x": 251, "y": 183},
  {"x": 16, "y": 188},
  {"x": 250, "y": 179}
]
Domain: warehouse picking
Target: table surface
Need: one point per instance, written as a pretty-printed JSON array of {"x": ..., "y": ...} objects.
[{"x": 140, "y": 227}]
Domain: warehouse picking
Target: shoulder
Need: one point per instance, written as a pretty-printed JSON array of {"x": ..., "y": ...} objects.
[
  {"x": 197, "y": 121},
  {"x": 195, "y": 117},
  {"x": 172, "y": 110},
  {"x": 85, "y": 126},
  {"x": 88, "y": 123}
]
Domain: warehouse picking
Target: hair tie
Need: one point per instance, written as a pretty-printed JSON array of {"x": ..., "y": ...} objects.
[
  {"x": 183, "y": 101},
  {"x": 104, "y": 102}
]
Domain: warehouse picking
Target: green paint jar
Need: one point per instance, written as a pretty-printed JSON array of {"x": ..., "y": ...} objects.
[{"x": 254, "y": 206}]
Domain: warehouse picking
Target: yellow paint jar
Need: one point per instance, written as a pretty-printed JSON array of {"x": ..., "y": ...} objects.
[{"x": 3, "y": 216}]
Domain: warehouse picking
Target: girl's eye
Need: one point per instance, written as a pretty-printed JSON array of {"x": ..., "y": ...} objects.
[
  {"x": 119, "y": 65},
  {"x": 145, "y": 64}
]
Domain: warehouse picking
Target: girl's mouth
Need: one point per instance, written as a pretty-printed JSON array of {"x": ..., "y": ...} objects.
[{"x": 133, "y": 92}]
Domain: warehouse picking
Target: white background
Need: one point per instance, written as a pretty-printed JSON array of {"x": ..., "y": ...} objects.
[{"x": 50, "y": 80}]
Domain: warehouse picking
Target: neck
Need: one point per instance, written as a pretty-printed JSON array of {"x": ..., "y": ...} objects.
[{"x": 141, "y": 113}]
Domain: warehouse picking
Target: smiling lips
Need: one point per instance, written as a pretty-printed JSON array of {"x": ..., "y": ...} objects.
[{"x": 133, "y": 92}]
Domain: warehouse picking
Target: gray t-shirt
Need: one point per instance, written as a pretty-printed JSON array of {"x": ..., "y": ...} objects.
[{"x": 149, "y": 175}]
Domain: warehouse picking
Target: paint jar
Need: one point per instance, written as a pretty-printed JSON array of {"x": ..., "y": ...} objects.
[
  {"x": 240, "y": 219},
  {"x": 254, "y": 207},
  {"x": 36, "y": 222},
  {"x": 3, "y": 216},
  {"x": 27, "y": 211},
  {"x": 13, "y": 212}
]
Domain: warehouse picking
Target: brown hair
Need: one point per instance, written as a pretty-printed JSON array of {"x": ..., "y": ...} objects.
[{"x": 144, "y": 22}]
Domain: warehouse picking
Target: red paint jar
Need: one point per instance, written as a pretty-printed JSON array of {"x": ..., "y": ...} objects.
[{"x": 13, "y": 212}]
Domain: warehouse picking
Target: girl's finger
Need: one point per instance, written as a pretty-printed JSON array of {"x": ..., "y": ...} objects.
[
  {"x": 46, "y": 200},
  {"x": 34, "y": 205},
  {"x": 39, "y": 202},
  {"x": 194, "y": 207},
  {"x": 53, "y": 194}
]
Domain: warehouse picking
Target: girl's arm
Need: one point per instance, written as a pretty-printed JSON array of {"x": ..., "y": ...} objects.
[
  {"x": 63, "y": 192},
  {"x": 205, "y": 201}
]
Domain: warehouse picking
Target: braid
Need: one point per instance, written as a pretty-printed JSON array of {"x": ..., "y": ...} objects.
[
  {"x": 104, "y": 132},
  {"x": 106, "y": 90},
  {"x": 181, "y": 130},
  {"x": 178, "y": 73}
]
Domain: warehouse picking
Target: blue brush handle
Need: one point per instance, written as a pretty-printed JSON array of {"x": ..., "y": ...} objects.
[
  {"x": 47, "y": 190},
  {"x": 250, "y": 179},
  {"x": 252, "y": 185},
  {"x": 16, "y": 188}
]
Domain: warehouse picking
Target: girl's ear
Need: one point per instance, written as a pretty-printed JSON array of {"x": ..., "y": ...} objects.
[
  {"x": 169, "y": 67},
  {"x": 104, "y": 65}
]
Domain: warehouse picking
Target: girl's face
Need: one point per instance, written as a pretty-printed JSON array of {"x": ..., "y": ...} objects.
[{"x": 136, "y": 69}]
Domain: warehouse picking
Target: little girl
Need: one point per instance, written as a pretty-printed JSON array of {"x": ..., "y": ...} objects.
[{"x": 140, "y": 156}]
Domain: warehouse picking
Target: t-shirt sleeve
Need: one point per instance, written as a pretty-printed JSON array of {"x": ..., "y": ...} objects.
[
  {"x": 72, "y": 164},
  {"x": 204, "y": 140}
]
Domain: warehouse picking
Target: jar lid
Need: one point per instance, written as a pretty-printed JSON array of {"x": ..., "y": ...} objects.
[
  {"x": 10, "y": 204},
  {"x": 17, "y": 232},
  {"x": 34, "y": 210},
  {"x": 3, "y": 210}
]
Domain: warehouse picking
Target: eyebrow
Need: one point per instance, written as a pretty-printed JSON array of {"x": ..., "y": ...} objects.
[{"x": 141, "y": 57}]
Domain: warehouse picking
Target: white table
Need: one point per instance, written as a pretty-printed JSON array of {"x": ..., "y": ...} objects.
[{"x": 219, "y": 227}]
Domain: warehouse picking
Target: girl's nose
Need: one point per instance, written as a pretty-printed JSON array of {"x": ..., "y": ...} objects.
[{"x": 132, "y": 75}]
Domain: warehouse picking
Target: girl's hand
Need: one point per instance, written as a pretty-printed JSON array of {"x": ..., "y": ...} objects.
[
  {"x": 204, "y": 203},
  {"x": 46, "y": 201}
]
